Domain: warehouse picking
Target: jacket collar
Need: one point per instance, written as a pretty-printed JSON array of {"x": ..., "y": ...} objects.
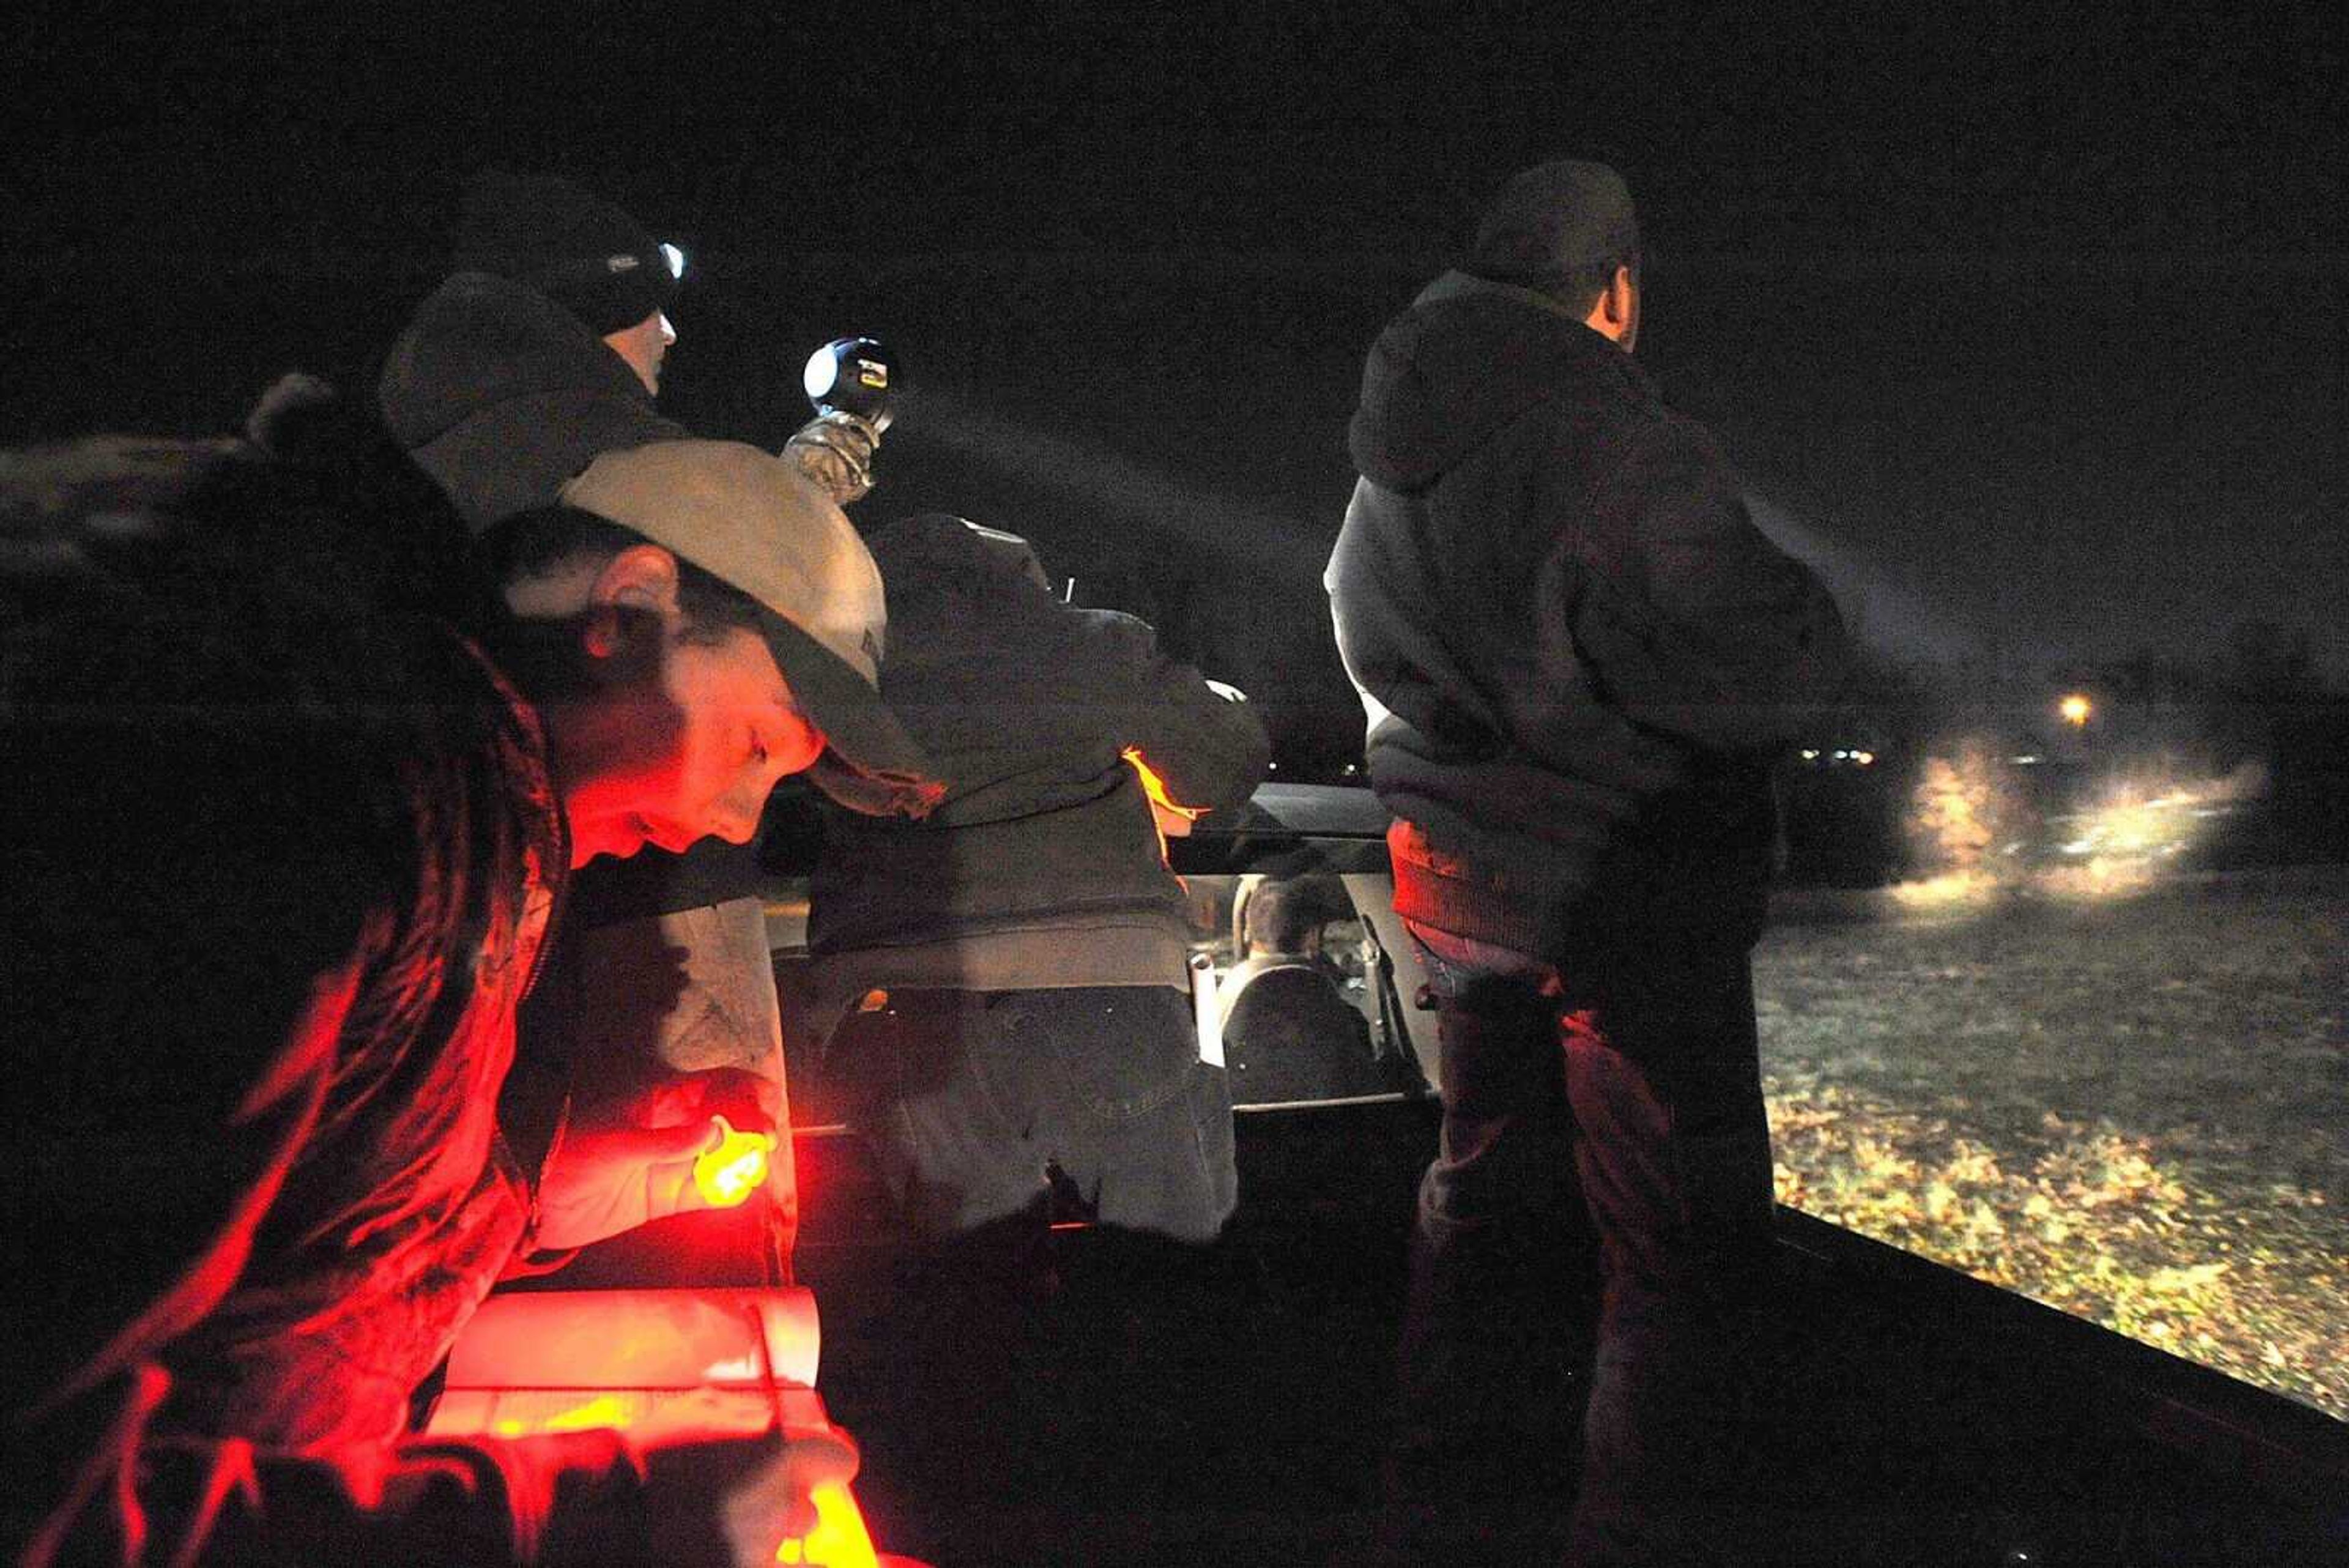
[{"x": 1457, "y": 285}]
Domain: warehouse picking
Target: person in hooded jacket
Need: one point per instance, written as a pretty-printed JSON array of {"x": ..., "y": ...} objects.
[
  {"x": 1036, "y": 890},
  {"x": 1578, "y": 656},
  {"x": 541, "y": 351},
  {"x": 1017, "y": 962}
]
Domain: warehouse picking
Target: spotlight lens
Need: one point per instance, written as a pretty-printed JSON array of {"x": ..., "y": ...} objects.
[{"x": 822, "y": 371}]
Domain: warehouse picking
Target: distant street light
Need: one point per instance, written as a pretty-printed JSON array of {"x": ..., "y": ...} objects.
[{"x": 2075, "y": 709}]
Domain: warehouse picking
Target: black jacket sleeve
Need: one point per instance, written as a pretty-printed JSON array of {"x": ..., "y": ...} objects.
[
  {"x": 1211, "y": 752},
  {"x": 1699, "y": 626}
]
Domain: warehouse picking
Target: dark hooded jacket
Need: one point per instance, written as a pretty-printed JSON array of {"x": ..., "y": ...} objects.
[
  {"x": 1578, "y": 649},
  {"x": 503, "y": 397},
  {"x": 1026, "y": 707}
]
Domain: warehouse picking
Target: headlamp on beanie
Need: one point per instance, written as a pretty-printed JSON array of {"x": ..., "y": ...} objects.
[{"x": 580, "y": 251}]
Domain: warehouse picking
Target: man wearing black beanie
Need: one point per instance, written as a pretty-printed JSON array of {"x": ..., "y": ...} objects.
[
  {"x": 537, "y": 356},
  {"x": 540, "y": 350},
  {"x": 581, "y": 252}
]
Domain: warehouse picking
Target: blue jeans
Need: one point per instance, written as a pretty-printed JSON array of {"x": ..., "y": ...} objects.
[
  {"x": 967, "y": 1097},
  {"x": 1601, "y": 1106}
]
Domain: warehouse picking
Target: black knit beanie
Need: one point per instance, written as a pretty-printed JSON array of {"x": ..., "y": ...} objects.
[
  {"x": 580, "y": 251},
  {"x": 1556, "y": 220}
]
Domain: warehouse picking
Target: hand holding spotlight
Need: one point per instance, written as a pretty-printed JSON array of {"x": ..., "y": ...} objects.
[{"x": 853, "y": 384}]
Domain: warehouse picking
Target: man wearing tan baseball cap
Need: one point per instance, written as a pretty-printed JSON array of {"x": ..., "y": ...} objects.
[
  {"x": 754, "y": 523},
  {"x": 289, "y": 771},
  {"x": 525, "y": 385}
]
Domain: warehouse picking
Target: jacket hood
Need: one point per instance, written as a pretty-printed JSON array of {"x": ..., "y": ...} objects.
[
  {"x": 1467, "y": 358},
  {"x": 503, "y": 395}
]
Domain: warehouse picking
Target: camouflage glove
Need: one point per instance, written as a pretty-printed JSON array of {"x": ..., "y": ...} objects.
[{"x": 835, "y": 449}]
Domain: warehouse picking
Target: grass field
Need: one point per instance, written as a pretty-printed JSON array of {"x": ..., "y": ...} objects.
[{"x": 2128, "y": 1100}]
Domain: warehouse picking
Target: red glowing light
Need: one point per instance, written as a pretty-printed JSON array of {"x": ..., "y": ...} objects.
[
  {"x": 598, "y": 1411},
  {"x": 1155, "y": 787}
]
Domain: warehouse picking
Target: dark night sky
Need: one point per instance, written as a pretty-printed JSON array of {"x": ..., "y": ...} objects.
[{"x": 2034, "y": 327}]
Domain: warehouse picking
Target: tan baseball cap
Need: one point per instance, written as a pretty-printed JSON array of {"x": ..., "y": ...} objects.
[{"x": 751, "y": 520}]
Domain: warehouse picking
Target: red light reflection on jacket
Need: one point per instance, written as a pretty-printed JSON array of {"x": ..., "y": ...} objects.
[{"x": 1173, "y": 818}]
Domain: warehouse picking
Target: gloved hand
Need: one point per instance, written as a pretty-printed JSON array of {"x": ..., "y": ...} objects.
[
  {"x": 736, "y": 1500},
  {"x": 615, "y": 1166},
  {"x": 835, "y": 449},
  {"x": 717, "y": 1499},
  {"x": 1172, "y": 823}
]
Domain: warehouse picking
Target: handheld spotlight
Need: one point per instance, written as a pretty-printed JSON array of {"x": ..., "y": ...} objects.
[
  {"x": 853, "y": 383},
  {"x": 857, "y": 376}
]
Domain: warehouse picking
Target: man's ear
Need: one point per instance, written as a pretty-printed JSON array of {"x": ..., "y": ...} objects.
[{"x": 637, "y": 586}]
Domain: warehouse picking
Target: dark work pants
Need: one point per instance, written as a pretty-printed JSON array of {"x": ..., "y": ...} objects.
[{"x": 1604, "y": 1106}]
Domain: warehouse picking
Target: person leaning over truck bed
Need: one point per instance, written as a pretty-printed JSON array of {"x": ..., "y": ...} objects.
[{"x": 293, "y": 800}]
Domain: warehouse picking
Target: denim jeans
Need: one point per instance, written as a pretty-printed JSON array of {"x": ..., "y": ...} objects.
[
  {"x": 1602, "y": 1107},
  {"x": 969, "y": 1098}
]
